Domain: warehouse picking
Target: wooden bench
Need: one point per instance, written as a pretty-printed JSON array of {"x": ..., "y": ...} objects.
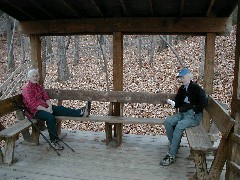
[
  {"x": 9, "y": 135},
  {"x": 114, "y": 98},
  {"x": 111, "y": 120},
  {"x": 200, "y": 145}
]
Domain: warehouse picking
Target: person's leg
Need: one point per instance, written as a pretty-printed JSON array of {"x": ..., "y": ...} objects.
[
  {"x": 189, "y": 120},
  {"x": 50, "y": 121},
  {"x": 170, "y": 124},
  {"x": 64, "y": 111}
]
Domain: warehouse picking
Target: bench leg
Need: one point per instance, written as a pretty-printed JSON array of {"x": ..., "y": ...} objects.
[
  {"x": 9, "y": 150},
  {"x": 26, "y": 135},
  {"x": 119, "y": 128},
  {"x": 201, "y": 165},
  {"x": 35, "y": 135},
  {"x": 1, "y": 156},
  {"x": 108, "y": 131},
  {"x": 59, "y": 126}
]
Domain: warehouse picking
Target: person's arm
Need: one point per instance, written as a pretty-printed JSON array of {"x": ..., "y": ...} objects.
[{"x": 202, "y": 100}]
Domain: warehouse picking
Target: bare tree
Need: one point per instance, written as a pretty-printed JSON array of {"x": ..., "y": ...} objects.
[
  {"x": 44, "y": 56},
  {"x": 152, "y": 48},
  {"x": 63, "y": 69},
  {"x": 49, "y": 48},
  {"x": 139, "y": 49},
  {"x": 102, "y": 44},
  {"x": 76, "y": 48},
  {"x": 11, "y": 24}
]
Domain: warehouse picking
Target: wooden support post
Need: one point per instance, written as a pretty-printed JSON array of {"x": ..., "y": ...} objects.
[
  {"x": 118, "y": 78},
  {"x": 36, "y": 62},
  {"x": 235, "y": 112},
  {"x": 208, "y": 72},
  {"x": 220, "y": 159}
]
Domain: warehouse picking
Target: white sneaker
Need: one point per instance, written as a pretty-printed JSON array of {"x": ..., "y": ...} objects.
[
  {"x": 56, "y": 145},
  {"x": 167, "y": 160}
]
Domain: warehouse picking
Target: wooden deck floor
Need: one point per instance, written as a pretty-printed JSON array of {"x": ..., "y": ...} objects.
[{"x": 137, "y": 158}]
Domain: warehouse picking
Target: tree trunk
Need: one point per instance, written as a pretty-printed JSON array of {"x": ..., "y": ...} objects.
[
  {"x": 49, "y": 48},
  {"x": 10, "y": 33},
  {"x": 174, "y": 51},
  {"x": 152, "y": 48},
  {"x": 76, "y": 49},
  {"x": 102, "y": 44},
  {"x": 63, "y": 70},
  {"x": 44, "y": 57},
  {"x": 139, "y": 49}
]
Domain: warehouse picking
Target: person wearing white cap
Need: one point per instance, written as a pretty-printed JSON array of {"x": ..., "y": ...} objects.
[{"x": 190, "y": 102}]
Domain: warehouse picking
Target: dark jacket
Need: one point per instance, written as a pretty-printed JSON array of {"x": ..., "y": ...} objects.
[{"x": 196, "y": 96}]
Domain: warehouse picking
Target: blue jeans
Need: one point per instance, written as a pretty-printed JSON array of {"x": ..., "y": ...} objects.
[
  {"x": 51, "y": 120},
  {"x": 176, "y": 124}
]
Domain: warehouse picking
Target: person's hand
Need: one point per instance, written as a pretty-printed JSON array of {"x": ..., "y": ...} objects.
[
  {"x": 49, "y": 109},
  {"x": 171, "y": 102}
]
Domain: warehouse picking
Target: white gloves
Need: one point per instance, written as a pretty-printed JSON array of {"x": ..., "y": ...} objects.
[{"x": 171, "y": 102}]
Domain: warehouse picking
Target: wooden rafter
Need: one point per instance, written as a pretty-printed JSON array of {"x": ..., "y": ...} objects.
[
  {"x": 97, "y": 8},
  {"x": 210, "y": 8},
  {"x": 151, "y": 6},
  {"x": 182, "y": 7},
  {"x": 124, "y": 8},
  {"x": 68, "y": 6},
  {"x": 19, "y": 9},
  {"x": 42, "y": 9}
]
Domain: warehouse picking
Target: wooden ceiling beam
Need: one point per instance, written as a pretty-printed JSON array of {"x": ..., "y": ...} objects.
[{"x": 154, "y": 25}]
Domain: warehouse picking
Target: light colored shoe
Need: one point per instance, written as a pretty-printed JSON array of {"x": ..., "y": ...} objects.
[
  {"x": 56, "y": 145},
  {"x": 167, "y": 160}
]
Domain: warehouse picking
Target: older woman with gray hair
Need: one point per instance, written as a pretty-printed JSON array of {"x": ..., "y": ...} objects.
[
  {"x": 190, "y": 101},
  {"x": 36, "y": 99}
]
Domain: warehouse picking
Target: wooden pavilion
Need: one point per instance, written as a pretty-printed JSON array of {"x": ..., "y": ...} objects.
[{"x": 209, "y": 18}]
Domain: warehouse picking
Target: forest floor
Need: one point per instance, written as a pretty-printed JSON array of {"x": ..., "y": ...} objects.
[{"x": 160, "y": 75}]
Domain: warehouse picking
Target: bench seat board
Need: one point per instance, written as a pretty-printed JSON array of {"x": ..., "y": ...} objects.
[
  {"x": 15, "y": 129},
  {"x": 198, "y": 139},
  {"x": 115, "y": 119}
]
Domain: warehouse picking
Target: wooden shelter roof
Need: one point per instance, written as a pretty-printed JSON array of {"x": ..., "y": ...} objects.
[
  {"x": 126, "y": 16},
  {"x": 31, "y": 10}
]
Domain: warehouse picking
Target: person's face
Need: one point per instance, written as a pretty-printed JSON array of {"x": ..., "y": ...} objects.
[
  {"x": 184, "y": 80},
  {"x": 34, "y": 78}
]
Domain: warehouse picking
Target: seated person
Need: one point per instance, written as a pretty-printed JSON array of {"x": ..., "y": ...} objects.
[
  {"x": 190, "y": 100},
  {"x": 36, "y": 99}
]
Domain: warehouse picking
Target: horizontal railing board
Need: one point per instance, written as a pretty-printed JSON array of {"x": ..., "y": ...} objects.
[
  {"x": 220, "y": 116},
  {"x": 110, "y": 96}
]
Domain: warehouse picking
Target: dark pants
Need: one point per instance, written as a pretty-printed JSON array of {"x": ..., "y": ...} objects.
[{"x": 51, "y": 120}]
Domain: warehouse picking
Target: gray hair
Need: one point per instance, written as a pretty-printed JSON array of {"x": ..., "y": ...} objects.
[
  {"x": 190, "y": 76},
  {"x": 32, "y": 72}
]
